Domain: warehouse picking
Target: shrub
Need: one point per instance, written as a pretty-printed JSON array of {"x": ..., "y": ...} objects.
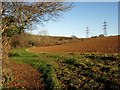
[
  {"x": 73, "y": 36},
  {"x": 101, "y": 35},
  {"x": 94, "y": 37},
  {"x": 31, "y": 43},
  {"x": 15, "y": 44}
]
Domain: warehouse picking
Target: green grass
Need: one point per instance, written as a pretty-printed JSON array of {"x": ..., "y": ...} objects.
[{"x": 73, "y": 71}]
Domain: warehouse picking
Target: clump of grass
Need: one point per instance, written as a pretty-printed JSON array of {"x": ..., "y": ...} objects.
[
  {"x": 49, "y": 76},
  {"x": 90, "y": 56},
  {"x": 74, "y": 62},
  {"x": 101, "y": 56},
  {"x": 111, "y": 58},
  {"x": 71, "y": 61},
  {"x": 13, "y": 54},
  {"x": 105, "y": 69}
]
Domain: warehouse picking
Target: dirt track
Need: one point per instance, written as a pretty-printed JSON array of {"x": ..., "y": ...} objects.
[{"x": 98, "y": 45}]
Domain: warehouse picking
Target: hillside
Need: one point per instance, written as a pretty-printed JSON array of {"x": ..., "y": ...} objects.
[
  {"x": 97, "y": 45},
  {"x": 28, "y": 40}
]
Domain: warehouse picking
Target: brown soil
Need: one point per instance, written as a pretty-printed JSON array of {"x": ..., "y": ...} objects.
[
  {"x": 25, "y": 76},
  {"x": 97, "y": 45}
]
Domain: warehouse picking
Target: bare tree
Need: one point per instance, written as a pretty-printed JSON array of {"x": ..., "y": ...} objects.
[
  {"x": 20, "y": 15},
  {"x": 26, "y": 13}
]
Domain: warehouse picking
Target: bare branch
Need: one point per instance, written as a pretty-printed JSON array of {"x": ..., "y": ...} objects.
[{"x": 29, "y": 12}]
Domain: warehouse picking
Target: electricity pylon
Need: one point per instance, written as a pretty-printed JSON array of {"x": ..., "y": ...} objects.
[
  {"x": 105, "y": 28},
  {"x": 87, "y": 32}
]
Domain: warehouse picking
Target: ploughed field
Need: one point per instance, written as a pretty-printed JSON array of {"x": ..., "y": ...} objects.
[
  {"x": 97, "y": 45},
  {"x": 88, "y": 64},
  {"x": 71, "y": 71}
]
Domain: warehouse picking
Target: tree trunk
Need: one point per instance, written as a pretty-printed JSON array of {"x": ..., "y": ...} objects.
[{"x": 5, "y": 46}]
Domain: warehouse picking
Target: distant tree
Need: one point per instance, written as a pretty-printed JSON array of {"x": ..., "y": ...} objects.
[
  {"x": 94, "y": 37},
  {"x": 73, "y": 36},
  {"x": 101, "y": 35}
]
